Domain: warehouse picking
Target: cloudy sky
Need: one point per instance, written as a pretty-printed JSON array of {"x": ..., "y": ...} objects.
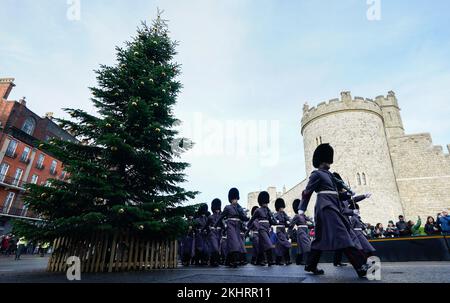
[{"x": 248, "y": 68}]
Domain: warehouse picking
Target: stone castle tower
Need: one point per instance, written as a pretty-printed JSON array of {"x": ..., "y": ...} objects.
[{"x": 406, "y": 174}]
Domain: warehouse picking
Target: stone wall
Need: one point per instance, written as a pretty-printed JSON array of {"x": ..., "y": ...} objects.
[{"x": 423, "y": 174}]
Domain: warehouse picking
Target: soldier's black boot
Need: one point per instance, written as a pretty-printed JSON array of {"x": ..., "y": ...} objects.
[
  {"x": 287, "y": 258},
  {"x": 269, "y": 257},
  {"x": 243, "y": 261},
  {"x": 253, "y": 260},
  {"x": 299, "y": 259},
  {"x": 214, "y": 261},
  {"x": 260, "y": 260},
  {"x": 278, "y": 260},
  {"x": 303, "y": 260},
  {"x": 197, "y": 258},
  {"x": 312, "y": 261},
  {"x": 362, "y": 271},
  {"x": 235, "y": 259}
]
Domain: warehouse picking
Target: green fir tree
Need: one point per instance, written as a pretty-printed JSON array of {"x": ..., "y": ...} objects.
[{"x": 123, "y": 172}]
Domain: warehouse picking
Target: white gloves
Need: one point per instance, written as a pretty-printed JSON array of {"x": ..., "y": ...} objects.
[
  {"x": 300, "y": 212},
  {"x": 356, "y": 211}
]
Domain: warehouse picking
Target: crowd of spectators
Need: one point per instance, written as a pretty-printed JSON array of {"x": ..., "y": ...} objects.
[
  {"x": 12, "y": 245},
  {"x": 403, "y": 228}
]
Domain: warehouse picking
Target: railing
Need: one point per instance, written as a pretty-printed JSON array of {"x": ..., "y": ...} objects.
[
  {"x": 12, "y": 181},
  {"x": 39, "y": 166},
  {"x": 19, "y": 212}
]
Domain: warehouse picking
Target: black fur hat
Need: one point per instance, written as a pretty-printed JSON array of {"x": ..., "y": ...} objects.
[
  {"x": 233, "y": 194},
  {"x": 263, "y": 198},
  {"x": 254, "y": 208},
  {"x": 296, "y": 205},
  {"x": 203, "y": 209},
  {"x": 323, "y": 153},
  {"x": 216, "y": 204},
  {"x": 279, "y": 203}
]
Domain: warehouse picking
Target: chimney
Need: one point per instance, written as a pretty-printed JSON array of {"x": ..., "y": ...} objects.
[
  {"x": 6, "y": 85},
  {"x": 23, "y": 101}
]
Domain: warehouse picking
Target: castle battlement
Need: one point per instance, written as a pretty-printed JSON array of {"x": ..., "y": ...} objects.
[{"x": 346, "y": 103}]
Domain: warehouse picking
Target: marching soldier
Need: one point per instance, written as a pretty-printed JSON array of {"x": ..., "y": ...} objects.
[
  {"x": 188, "y": 244},
  {"x": 345, "y": 196},
  {"x": 300, "y": 222},
  {"x": 265, "y": 219},
  {"x": 215, "y": 233},
  {"x": 201, "y": 239},
  {"x": 254, "y": 238},
  {"x": 358, "y": 226},
  {"x": 234, "y": 216},
  {"x": 283, "y": 245},
  {"x": 331, "y": 227}
]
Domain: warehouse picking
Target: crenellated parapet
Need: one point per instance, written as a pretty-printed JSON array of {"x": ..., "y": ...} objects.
[{"x": 345, "y": 103}]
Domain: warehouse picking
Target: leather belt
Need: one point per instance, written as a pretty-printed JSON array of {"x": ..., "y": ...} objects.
[{"x": 306, "y": 226}]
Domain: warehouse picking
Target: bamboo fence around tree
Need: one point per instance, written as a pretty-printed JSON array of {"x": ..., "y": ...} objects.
[{"x": 112, "y": 253}]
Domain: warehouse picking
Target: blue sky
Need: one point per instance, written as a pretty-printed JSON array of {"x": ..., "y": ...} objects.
[{"x": 243, "y": 61}]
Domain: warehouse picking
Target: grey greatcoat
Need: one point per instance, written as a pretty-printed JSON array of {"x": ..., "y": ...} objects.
[
  {"x": 283, "y": 245},
  {"x": 303, "y": 239},
  {"x": 358, "y": 227},
  {"x": 234, "y": 217},
  {"x": 214, "y": 233},
  {"x": 332, "y": 229},
  {"x": 265, "y": 219}
]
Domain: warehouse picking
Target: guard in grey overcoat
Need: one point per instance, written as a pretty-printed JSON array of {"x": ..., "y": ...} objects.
[
  {"x": 283, "y": 246},
  {"x": 234, "y": 216},
  {"x": 265, "y": 219},
  {"x": 201, "y": 235},
  {"x": 358, "y": 227},
  {"x": 300, "y": 223},
  {"x": 188, "y": 244},
  {"x": 252, "y": 231},
  {"x": 215, "y": 233},
  {"x": 332, "y": 231}
]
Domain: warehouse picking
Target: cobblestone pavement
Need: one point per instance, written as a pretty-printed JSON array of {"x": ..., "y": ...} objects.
[{"x": 32, "y": 269}]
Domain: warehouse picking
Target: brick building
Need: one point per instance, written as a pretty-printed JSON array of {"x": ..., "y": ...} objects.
[{"x": 21, "y": 161}]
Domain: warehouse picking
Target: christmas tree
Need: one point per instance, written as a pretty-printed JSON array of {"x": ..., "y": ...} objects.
[{"x": 123, "y": 172}]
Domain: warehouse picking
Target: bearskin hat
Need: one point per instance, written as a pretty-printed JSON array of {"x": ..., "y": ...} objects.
[
  {"x": 279, "y": 203},
  {"x": 323, "y": 153},
  {"x": 263, "y": 198},
  {"x": 296, "y": 205},
  {"x": 233, "y": 194},
  {"x": 203, "y": 209},
  {"x": 254, "y": 208},
  {"x": 216, "y": 204}
]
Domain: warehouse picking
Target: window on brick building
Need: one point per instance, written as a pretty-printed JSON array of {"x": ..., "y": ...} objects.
[
  {"x": 358, "y": 178},
  {"x": 40, "y": 161},
  {"x": 53, "y": 167},
  {"x": 8, "y": 202},
  {"x": 25, "y": 154},
  {"x": 11, "y": 150},
  {"x": 29, "y": 125},
  {"x": 3, "y": 171},
  {"x": 17, "y": 176},
  {"x": 34, "y": 179}
]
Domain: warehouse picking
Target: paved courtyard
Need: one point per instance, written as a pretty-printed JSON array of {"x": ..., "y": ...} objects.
[{"x": 32, "y": 270}]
